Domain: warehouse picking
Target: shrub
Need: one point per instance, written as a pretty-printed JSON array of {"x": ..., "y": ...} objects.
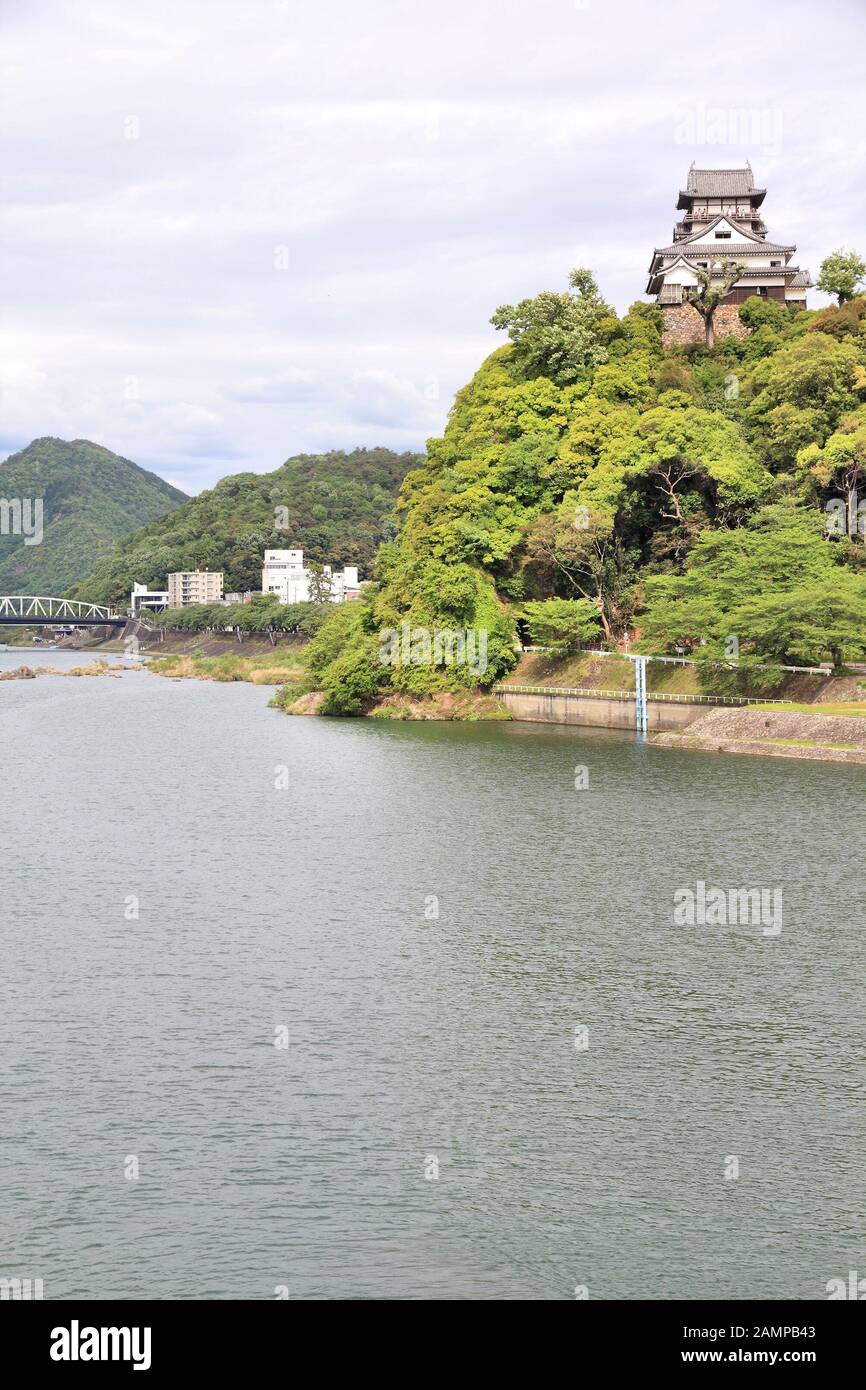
[
  {"x": 763, "y": 313},
  {"x": 840, "y": 321}
]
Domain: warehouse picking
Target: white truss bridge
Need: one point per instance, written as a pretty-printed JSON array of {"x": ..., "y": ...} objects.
[{"x": 40, "y": 611}]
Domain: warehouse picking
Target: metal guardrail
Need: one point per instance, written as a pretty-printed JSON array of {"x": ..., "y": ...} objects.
[
  {"x": 630, "y": 695},
  {"x": 825, "y": 670},
  {"x": 690, "y": 661}
]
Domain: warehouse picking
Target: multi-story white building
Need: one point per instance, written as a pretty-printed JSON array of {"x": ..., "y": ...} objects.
[
  {"x": 143, "y": 598},
  {"x": 285, "y": 574},
  {"x": 344, "y": 583},
  {"x": 194, "y": 586}
]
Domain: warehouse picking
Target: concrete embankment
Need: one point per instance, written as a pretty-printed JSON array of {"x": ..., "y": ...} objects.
[
  {"x": 778, "y": 733},
  {"x": 611, "y": 711}
]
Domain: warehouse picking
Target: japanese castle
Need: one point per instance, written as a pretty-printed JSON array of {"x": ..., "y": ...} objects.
[{"x": 722, "y": 220}]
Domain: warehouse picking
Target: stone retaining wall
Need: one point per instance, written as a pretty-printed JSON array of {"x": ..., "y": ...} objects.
[{"x": 684, "y": 325}]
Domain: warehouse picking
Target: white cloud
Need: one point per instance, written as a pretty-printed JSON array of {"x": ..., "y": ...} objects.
[{"x": 418, "y": 169}]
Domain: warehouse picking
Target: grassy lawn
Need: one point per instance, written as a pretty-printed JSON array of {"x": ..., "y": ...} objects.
[
  {"x": 583, "y": 669},
  {"x": 811, "y": 743},
  {"x": 853, "y": 707}
]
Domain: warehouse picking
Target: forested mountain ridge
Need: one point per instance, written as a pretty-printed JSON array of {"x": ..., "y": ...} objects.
[
  {"x": 335, "y": 506},
  {"x": 90, "y": 498},
  {"x": 589, "y": 482}
]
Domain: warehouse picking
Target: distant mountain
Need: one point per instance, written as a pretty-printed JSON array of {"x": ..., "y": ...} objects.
[
  {"x": 336, "y": 507},
  {"x": 90, "y": 498}
]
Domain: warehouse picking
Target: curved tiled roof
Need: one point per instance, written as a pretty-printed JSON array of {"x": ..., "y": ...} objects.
[
  {"x": 720, "y": 183},
  {"x": 790, "y": 273},
  {"x": 732, "y": 249}
]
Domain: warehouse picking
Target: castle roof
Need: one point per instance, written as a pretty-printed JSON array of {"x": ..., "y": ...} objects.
[
  {"x": 720, "y": 183},
  {"x": 740, "y": 237},
  {"x": 732, "y": 251}
]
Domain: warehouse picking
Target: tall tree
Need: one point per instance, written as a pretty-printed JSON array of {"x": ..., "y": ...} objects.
[
  {"x": 714, "y": 284},
  {"x": 585, "y": 559},
  {"x": 842, "y": 273},
  {"x": 842, "y": 462},
  {"x": 320, "y": 583},
  {"x": 565, "y": 622},
  {"x": 774, "y": 584},
  {"x": 558, "y": 335}
]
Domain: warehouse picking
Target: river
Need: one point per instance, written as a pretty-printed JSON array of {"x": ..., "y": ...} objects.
[{"x": 243, "y": 1056}]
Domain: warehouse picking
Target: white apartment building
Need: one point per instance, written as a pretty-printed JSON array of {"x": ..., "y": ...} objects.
[
  {"x": 194, "y": 586},
  {"x": 285, "y": 574}
]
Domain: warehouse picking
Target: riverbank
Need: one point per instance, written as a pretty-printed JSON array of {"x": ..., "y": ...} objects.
[
  {"x": 152, "y": 642},
  {"x": 273, "y": 666},
  {"x": 211, "y": 656},
  {"x": 824, "y": 718},
  {"x": 834, "y": 734},
  {"x": 94, "y": 668},
  {"x": 465, "y": 705}
]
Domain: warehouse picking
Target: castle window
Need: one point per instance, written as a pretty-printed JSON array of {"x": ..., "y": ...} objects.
[{"x": 723, "y": 234}]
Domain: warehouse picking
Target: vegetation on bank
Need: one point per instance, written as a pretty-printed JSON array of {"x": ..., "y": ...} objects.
[
  {"x": 264, "y": 614},
  {"x": 336, "y": 507},
  {"x": 280, "y": 667},
  {"x": 590, "y": 482},
  {"x": 90, "y": 499}
]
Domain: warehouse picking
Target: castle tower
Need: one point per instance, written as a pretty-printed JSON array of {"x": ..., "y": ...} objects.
[{"x": 721, "y": 219}]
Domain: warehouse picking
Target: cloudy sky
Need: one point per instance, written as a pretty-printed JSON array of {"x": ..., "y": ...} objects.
[{"x": 232, "y": 232}]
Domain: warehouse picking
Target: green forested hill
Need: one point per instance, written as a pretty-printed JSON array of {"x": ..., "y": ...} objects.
[
  {"x": 335, "y": 506},
  {"x": 591, "y": 482},
  {"x": 91, "y": 497}
]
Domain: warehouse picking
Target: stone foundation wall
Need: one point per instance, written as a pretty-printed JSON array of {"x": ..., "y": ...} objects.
[{"x": 683, "y": 324}]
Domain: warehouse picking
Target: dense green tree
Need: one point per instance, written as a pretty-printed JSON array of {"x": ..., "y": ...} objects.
[
  {"x": 801, "y": 627},
  {"x": 558, "y": 335},
  {"x": 678, "y": 448},
  {"x": 841, "y": 465},
  {"x": 842, "y": 274},
  {"x": 757, "y": 312},
  {"x": 564, "y": 622},
  {"x": 264, "y": 613},
  {"x": 730, "y": 574},
  {"x": 797, "y": 396}
]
